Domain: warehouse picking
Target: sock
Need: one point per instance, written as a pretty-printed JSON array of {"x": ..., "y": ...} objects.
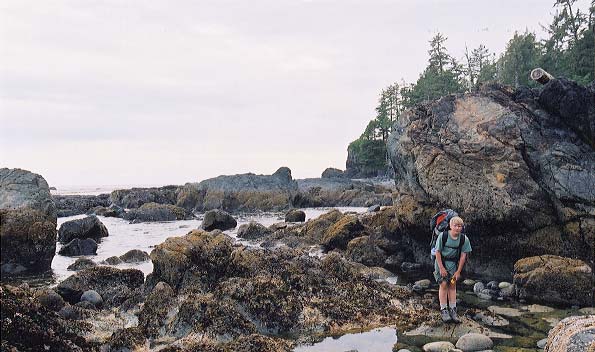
[
  {"x": 443, "y": 306},
  {"x": 452, "y": 304}
]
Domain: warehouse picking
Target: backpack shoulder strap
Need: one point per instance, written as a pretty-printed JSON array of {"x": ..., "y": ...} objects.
[
  {"x": 460, "y": 249},
  {"x": 444, "y": 238}
]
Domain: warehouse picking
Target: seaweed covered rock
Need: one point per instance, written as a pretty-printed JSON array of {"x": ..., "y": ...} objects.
[
  {"x": 156, "y": 308},
  {"x": 135, "y": 256},
  {"x": 295, "y": 215},
  {"x": 193, "y": 261},
  {"x": 69, "y": 205},
  {"x": 136, "y": 197},
  {"x": 88, "y": 227},
  {"x": 157, "y": 212},
  {"x": 112, "y": 211},
  {"x": 81, "y": 263},
  {"x": 28, "y": 325},
  {"x": 28, "y": 241},
  {"x": 553, "y": 279},
  {"x": 109, "y": 282},
  {"x": 341, "y": 232},
  {"x": 27, "y": 222}
]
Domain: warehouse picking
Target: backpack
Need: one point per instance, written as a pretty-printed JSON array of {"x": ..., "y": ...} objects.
[{"x": 438, "y": 224}]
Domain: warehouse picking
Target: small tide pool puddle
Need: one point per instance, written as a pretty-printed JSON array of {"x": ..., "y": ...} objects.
[{"x": 381, "y": 339}]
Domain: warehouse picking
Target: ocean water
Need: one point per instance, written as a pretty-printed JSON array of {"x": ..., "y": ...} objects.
[{"x": 124, "y": 236}]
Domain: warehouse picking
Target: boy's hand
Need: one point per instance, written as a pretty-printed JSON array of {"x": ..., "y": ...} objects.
[
  {"x": 457, "y": 276},
  {"x": 443, "y": 272}
]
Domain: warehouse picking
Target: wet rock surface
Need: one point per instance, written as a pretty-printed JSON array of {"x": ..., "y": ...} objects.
[
  {"x": 28, "y": 325},
  {"x": 253, "y": 230},
  {"x": 88, "y": 227},
  {"x": 78, "y": 247}
]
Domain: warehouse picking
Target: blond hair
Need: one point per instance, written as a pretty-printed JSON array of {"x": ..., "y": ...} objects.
[{"x": 456, "y": 221}]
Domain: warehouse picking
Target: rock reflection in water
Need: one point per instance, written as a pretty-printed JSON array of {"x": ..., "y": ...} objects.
[{"x": 381, "y": 339}]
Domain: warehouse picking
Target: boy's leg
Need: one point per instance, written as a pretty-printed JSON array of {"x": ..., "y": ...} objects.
[
  {"x": 452, "y": 302},
  {"x": 442, "y": 297}
]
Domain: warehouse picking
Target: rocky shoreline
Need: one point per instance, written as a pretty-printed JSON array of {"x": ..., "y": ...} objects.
[{"x": 516, "y": 164}]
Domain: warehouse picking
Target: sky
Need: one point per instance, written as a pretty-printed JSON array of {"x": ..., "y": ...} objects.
[{"x": 167, "y": 92}]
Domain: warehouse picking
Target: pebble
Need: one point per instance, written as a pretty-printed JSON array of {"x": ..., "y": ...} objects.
[
  {"x": 504, "y": 284},
  {"x": 474, "y": 342},
  {"x": 508, "y": 291},
  {"x": 478, "y": 287},
  {"x": 541, "y": 343},
  {"x": 439, "y": 346},
  {"x": 468, "y": 282},
  {"x": 417, "y": 288},
  {"x": 492, "y": 285}
]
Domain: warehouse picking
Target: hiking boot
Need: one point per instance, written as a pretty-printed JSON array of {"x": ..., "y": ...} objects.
[
  {"x": 444, "y": 315},
  {"x": 453, "y": 315}
]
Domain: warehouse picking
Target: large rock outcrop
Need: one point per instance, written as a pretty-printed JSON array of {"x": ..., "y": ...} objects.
[
  {"x": 135, "y": 197},
  {"x": 516, "y": 165},
  {"x": 88, "y": 227},
  {"x": 331, "y": 192},
  {"x": 27, "y": 223},
  {"x": 157, "y": 212}
]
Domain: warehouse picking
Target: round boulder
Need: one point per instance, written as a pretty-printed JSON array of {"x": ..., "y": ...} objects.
[
  {"x": 92, "y": 297},
  {"x": 253, "y": 230},
  {"x": 50, "y": 299},
  {"x": 343, "y": 231},
  {"x": 295, "y": 215},
  {"x": 89, "y": 227},
  {"x": 572, "y": 334},
  {"x": 218, "y": 220},
  {"x": 473, "y": 342},
  {"x": 78, "y": 247},
  {"x": 332, "y": 172},
  {"x": 113, "y": 260},
  {"x": 438, "y": 346}
]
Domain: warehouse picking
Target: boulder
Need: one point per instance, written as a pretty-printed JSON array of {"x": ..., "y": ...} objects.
[
  {"x": 343, "y": 231},
  {"x": 88, "y": 227},
  {"x": 134, "y": 256},
  {"x": 473, "y": 342},
  {"x": 106, "y": 281},
  {"x": 81, "y": 263},
  {"x": 334, "y": 192},
  {"x": 218, "y": 220},
  {"x": 128, "y": 339},
  {"x": 157, "y": 212},
  {"x": 438, "y": 346},
  {"x": 27, "y": 223},
  {"x": 374, "y": 208},
  {"x": 192, "y": 261},
  {"x": 572, "y": 334},
  {"x": 253, "y": 230},
  {"x": 78, "y": 247},
  {"x": 69, "y": 205},
  {"x": 516, "y": 169},
  {"x": 554, "y": 279},
  {"x": 332, "y": 172},
  {"x": 295, "y": 215}
]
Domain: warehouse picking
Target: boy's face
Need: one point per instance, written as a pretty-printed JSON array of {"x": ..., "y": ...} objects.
[{"x": 456, "y": 228}]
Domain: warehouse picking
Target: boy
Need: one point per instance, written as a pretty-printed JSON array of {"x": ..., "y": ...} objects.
[{"x": 448, "y": 266}]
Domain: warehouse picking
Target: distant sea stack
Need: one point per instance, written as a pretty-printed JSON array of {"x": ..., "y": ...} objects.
[{"x": 27, "y": 223}]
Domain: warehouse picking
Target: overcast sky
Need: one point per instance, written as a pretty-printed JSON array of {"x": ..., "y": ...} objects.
[{"x": 166, "y": 92}]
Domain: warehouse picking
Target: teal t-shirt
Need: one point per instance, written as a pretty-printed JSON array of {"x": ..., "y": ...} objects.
[{"x": 450, "y": 251}]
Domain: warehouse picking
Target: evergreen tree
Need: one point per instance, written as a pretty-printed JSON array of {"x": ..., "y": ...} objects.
[{"x": 520, "y": 57}]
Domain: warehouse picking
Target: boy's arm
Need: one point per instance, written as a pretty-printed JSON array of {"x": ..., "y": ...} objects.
[
  {"x": 460, "y": 266},
  {"x": 439, "y": 261}
]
